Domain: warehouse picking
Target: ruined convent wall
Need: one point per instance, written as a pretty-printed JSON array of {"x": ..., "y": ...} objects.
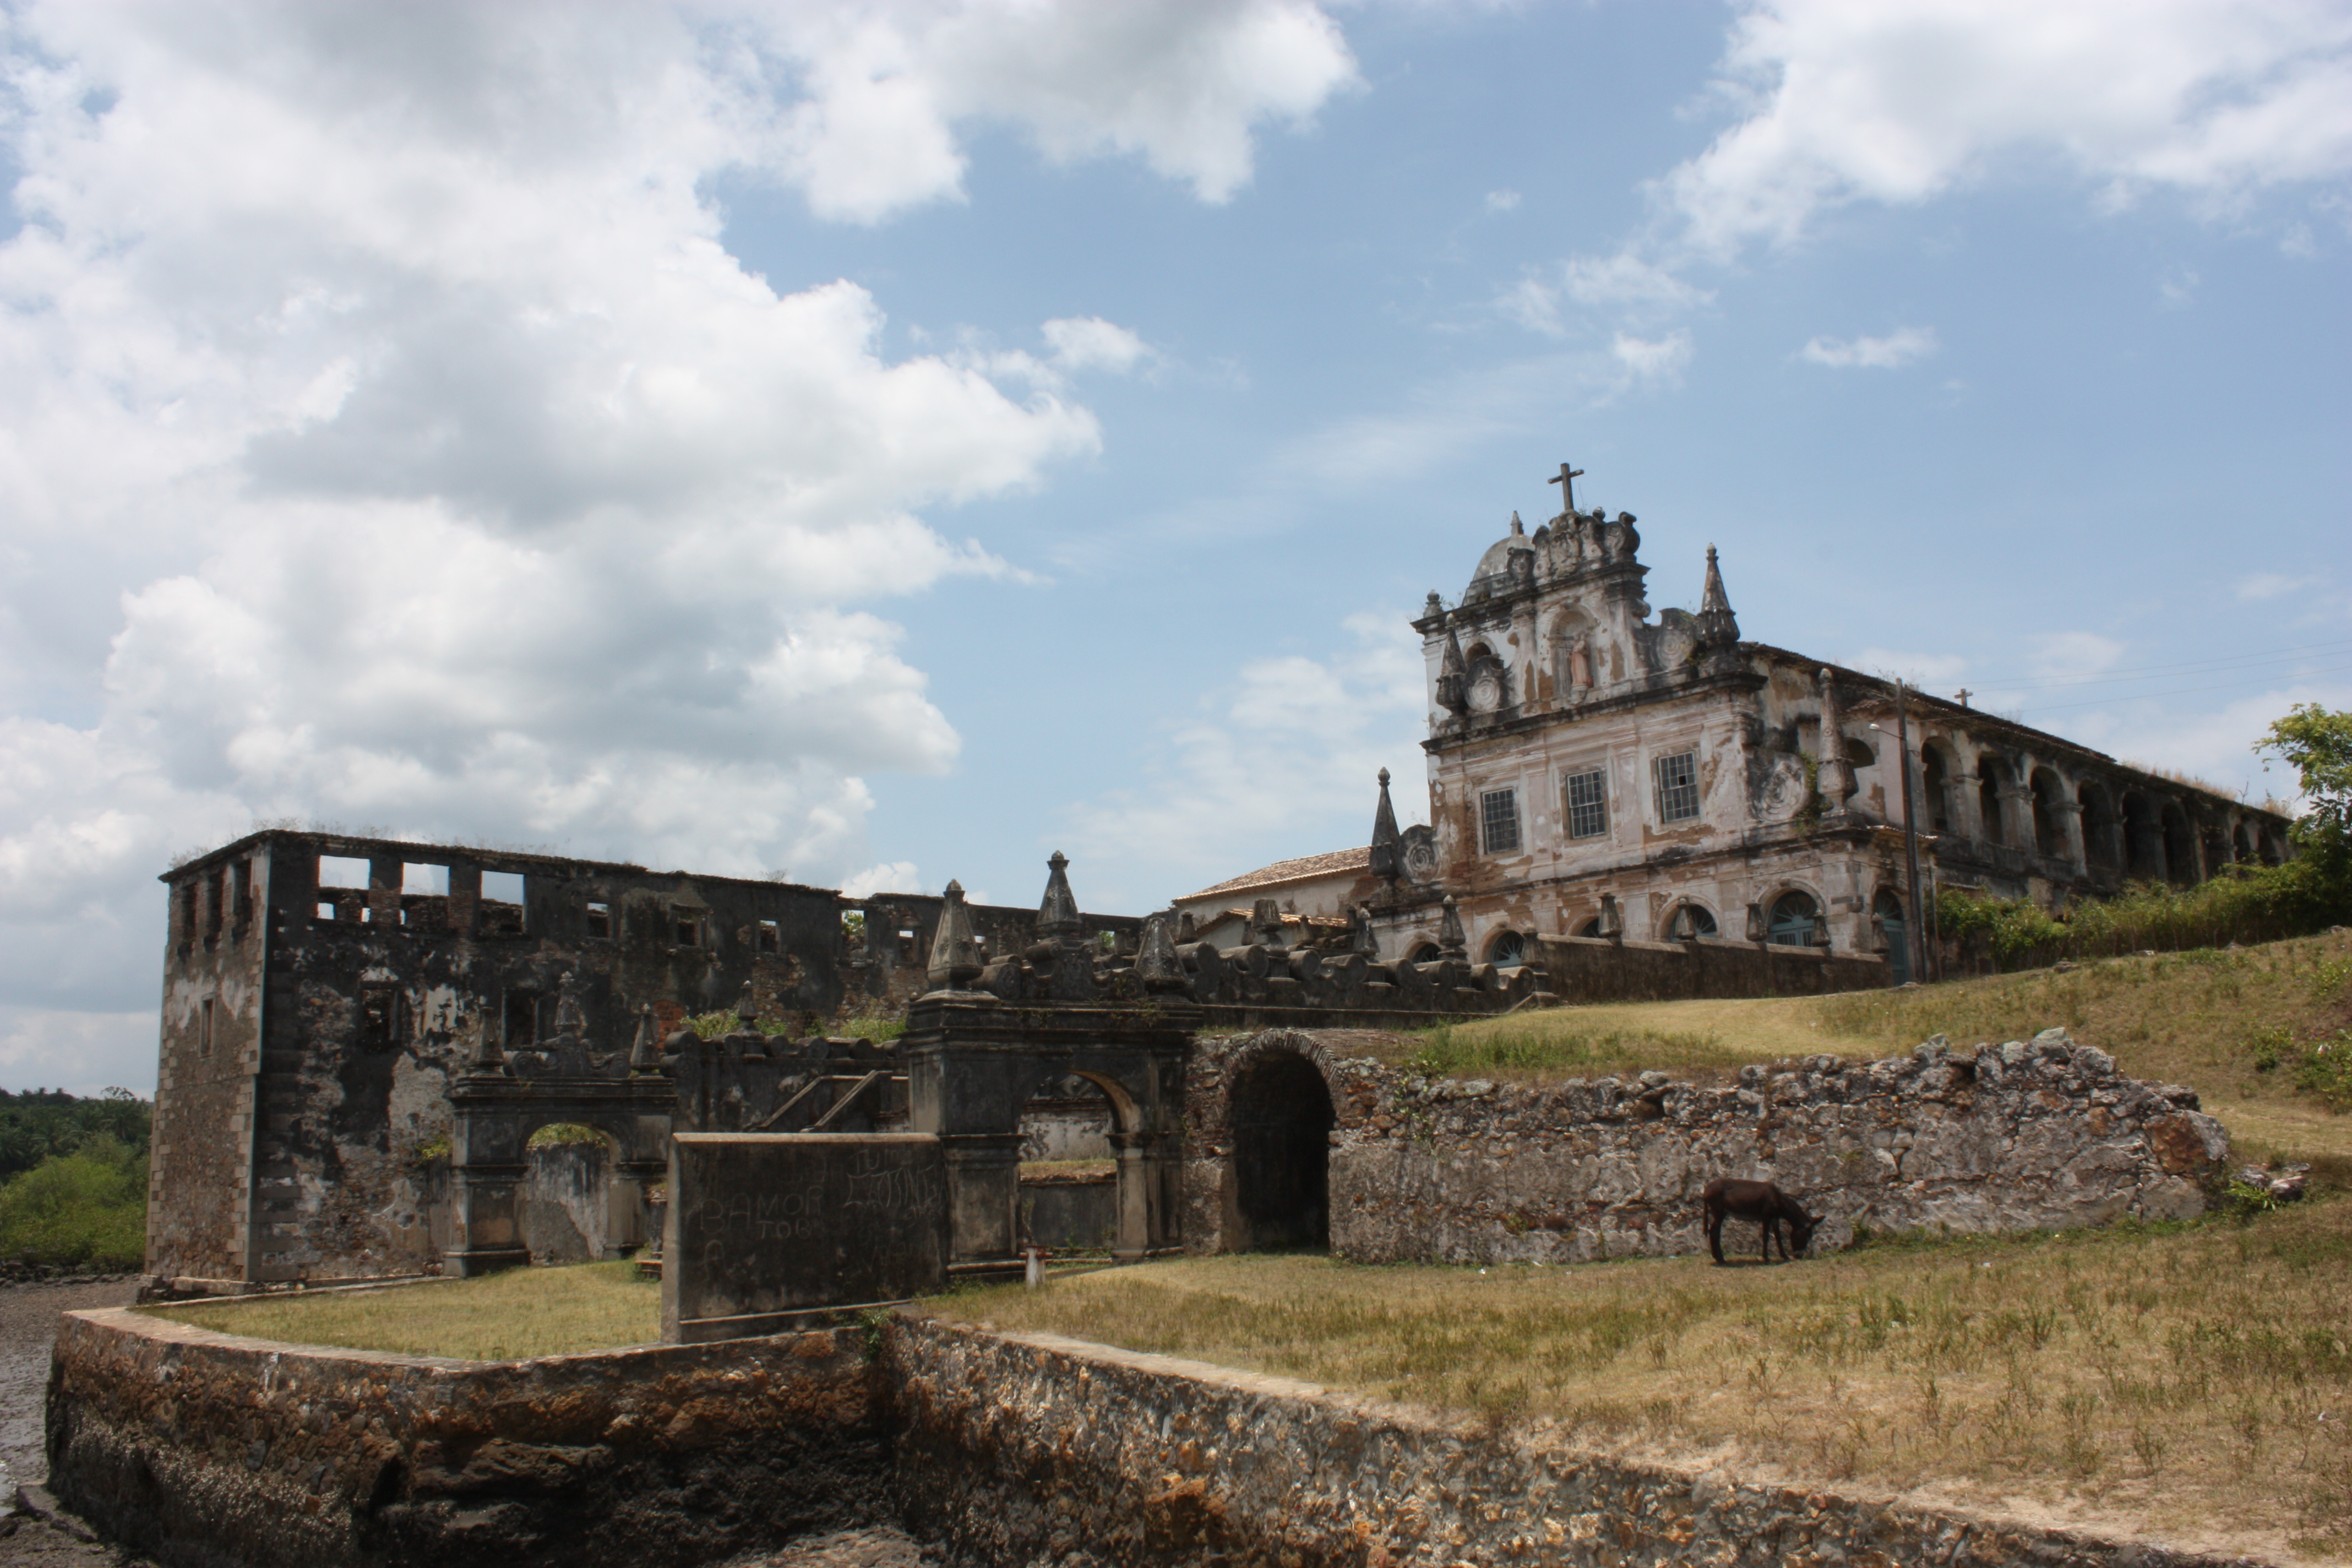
[
  {"x": 2025, "y": 1135},
  {"x": 1589, "y": 969}
]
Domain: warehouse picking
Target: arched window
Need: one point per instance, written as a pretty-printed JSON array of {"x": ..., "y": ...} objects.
[
  {"x": 1591, "y": 928},
  {"x": 1427, "y": 953},
  {"x": 1796, "y": 921},
  {"x": 2180, "y": 846},
  {"x": 1508, "y": 947},
  {"x": 2049, "y": 838},
  {"x": 1992, "y": 774},
  {"x": 2102, "y": 835},
  {"x": 1936, "y": 786}
]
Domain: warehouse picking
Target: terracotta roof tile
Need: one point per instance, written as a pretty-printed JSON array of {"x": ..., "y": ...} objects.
[{"x": 1298, "y": 870}]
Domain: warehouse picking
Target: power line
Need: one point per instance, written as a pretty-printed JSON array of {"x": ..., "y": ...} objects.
[
  {"x": 2183, "y": 691},
  {"x": 2158, "y": 671}
]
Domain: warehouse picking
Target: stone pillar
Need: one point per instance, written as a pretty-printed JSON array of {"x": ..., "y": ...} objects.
[
  {"x": 465, "y": 898},
  {"x": 2017, "y": 819},
  {"x": 383, "y": 891},
  {"x": 1835, "y": 775},
  {"x": 984, "y": 1196},
  {"x": 1139, "y": 1183},
  {"x": 1967, "y": 817},
  {"x": 2070, "y": 833}
]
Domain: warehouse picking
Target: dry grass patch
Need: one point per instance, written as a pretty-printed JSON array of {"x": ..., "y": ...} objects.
[
  {"x": 2165, "y": 1379},
  {"x": 520, "y": 1313}
]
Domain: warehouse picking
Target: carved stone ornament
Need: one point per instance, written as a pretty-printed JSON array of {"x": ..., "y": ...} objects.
[
  {"x": 1486, "y": 691},
  {"x": 1784, "y": 790}
]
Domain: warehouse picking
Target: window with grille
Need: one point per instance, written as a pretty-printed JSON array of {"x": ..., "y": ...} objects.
[
  {"x": 1498, "y": 817},
  {"x": 1678, "y": 787},
  {"x": 1587, "y": 811}
]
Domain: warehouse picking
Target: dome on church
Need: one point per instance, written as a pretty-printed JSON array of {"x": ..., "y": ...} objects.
[{"x": 1495, "y": 566}]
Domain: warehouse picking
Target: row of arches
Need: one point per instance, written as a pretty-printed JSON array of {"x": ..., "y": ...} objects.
[{"x": 2124, "y": 830}]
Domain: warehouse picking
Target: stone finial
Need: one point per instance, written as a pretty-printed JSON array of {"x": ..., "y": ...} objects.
[
  {"x": 1519, "y": 529},
  {"x": 570, "y": 1017},
  {"x": 1265, "y": 922},
  {"x": 747, "y": 1008},
  {"x": 1156, "y": 964},
  {"x": 1361, "y": 936},
  {"x": 955, "y": 950},
  {"x": 1451, "y": 941},
  {"x": 1435, "y": 606},
  {"x": 1186, "y": 930},
  {"x": 488, "y": 1059},
  {"x": 1836, "y": 774},
  {"x": 1388, "y": 864},
  {"x": 1718, "y": 628},
  {"x": 1452, "y": 676},
  {"x": 1058, "y": 916},
  {"x": 1613, "y": 918},
  {"x": 1758, "y": 928},
  {"x": 645, "y": 1051}
]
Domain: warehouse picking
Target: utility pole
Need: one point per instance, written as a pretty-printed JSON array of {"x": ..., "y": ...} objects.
[{"x": 1914, "y": 932}]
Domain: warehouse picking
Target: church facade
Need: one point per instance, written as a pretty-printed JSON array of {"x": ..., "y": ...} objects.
[{"x": 1595, "y": 770}]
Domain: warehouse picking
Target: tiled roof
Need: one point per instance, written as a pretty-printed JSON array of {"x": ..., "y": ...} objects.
[{"x": 1298, "y": 870}]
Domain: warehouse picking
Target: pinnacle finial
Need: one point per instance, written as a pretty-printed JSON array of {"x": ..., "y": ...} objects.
[
  {"x": 1058, "y": 916},
  {"x": 955, "y": 951}
]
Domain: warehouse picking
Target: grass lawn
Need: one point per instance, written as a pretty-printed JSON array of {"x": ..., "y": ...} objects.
[
  {"x": 504, "y": 1317},
  {"x": 2194, "y": 1379}
]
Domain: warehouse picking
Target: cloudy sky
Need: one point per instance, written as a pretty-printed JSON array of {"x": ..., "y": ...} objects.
[{"x": 890, "y": 441}]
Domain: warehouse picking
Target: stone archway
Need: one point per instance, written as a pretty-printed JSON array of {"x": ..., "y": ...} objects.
[{"x": 1280, "y": 1115}]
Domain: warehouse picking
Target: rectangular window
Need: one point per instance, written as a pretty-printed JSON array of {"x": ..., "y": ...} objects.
[
  {"x": 205, "y": 1029},
  {"x": 522, "y": 1019},
  {"x": 1498, "y": 820},
  {"x": 599, "y": 918},
  {"x": 772, "y": 937},
  {"x": 1678, "y": 787},
  {"x": 1588, "y": 806},
  {"x": 240, "y": 893},
  {"x": 688, "y": 921}
]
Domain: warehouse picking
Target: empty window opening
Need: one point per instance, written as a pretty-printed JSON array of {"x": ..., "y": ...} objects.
[
  {"x": 1935, "y": 784},
  {"x": 1588, "y": 806},
  {"x": 1499, "y": 817},
  {"x": 771, "y": 936},
  {"x": 1281, "y": 1118},
  {"x": 1991, "y": 776},
  {"x": 240, "y": 892},
  {"x": 685, "y": 921},
  {"x": 906, "y": 946},
  {"x": 522, "y": 1019},
  {"x": 429, "y": 881},
  {"x": 379, "y": 1017},
  {"x": 1677, "y": 777},
  {"x": 502, "y": 904},
  {"x": 188, "y": 912},
  {"x": 326, "y": 909},
  {"x": 599, "y": 918},
  {"x": 342, "y": 872},
  {"x": 217, "y": 897},
  {"x": 1591, "y": 928},
  {"x": 205, "y": 1027}
]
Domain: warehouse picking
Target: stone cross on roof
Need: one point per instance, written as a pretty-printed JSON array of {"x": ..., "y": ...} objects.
[{"x": 1566, "y": 480}]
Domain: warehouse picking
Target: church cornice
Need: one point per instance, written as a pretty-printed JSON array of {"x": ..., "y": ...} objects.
[{"x": 1650, "y": 691}]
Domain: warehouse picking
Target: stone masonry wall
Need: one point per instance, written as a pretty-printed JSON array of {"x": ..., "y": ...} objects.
[
  {"x": 2039, "y": 1134},
  {"x": 1018, "y": 1448},
  {"x": 204, "y": 1448}
]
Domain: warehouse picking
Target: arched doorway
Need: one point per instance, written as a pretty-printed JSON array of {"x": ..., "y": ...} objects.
[
  {"x": 1887, "y": 907},
  {"x": 1796, "y": 920},
  {"x": 2143, "y": 840},
  {"x": 2180, "y": 846},
  {"x": 1936, "y": 786},
  {"x": 1280, "y": 1115},
  {"x": 574, "y": 1207},
  {"x": 1992, "y": 779},
  {"x": 2102, "y": 834}
]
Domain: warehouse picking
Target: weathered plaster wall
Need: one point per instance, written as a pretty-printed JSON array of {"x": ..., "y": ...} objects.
[
  {"x": 2035, "y": 1134},
  {"x": 1017, "y": 1448},
  {"x": 202, "y": 1448},
  {"x": 1587, "y": 969}
]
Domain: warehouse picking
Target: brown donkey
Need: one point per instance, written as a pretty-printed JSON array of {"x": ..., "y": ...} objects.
[{"x": 1728, "y": 1196}]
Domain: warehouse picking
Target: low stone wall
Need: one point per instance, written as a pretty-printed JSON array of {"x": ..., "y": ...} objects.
[
  {"x": 202, "y": 1448},
  {"x": 2040, "y": 1135},
  {"x": 1587, "y": 969},
  {"x": 1018, "y": 1448}
]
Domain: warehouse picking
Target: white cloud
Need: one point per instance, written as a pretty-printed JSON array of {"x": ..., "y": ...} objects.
[
  {"x": 1859, "y": 101},
  {"x": 2177, "y": 286},
  {"x": 1283, "y": 762},
  {"x": 1898, "y": 348},
  {"x": 1089, "y": 342},
  {"x": 1502, "y": 201},
  {"x": 1533, "y": 304},
  {"x": 386, "y": 436},
  {"x": 81, "y": 1053},
  {"x": 1653, "y": 359},
  {"x": 2266, "y": 586},
  {"x": 1936, "y": 672},
  {"x": 1626, "y": 283},
  {"x": 888, "y": 876},
  {"x": 1181, "y": 83}
]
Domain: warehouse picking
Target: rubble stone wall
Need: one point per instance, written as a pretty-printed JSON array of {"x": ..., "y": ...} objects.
[
  {"x": 1015, "y": 1448},
  {"x": 197, "y": 1448},
  {"x": 2024, "y": 1135}
]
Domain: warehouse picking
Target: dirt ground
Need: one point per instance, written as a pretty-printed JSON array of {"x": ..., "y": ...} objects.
[{"x": 28, "y": 1318}]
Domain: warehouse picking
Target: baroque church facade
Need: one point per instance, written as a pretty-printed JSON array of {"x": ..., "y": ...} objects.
[{"x": 1595, "y": 770}]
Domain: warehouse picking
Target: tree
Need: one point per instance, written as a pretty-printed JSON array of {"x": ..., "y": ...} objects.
[{"x": 2318, "y": 743}]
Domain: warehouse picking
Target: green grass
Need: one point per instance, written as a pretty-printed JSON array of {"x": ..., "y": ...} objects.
[
  {"x": 2161, "y": 1377},
  {"x": 520, "y": 1313}
]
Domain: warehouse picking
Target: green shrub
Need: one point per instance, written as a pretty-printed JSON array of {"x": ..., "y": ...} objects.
[
  {"x": 39, "y": 1122},
  {"x": 2244, "y": 904},
  {"x": 83, "y": 1210}
]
